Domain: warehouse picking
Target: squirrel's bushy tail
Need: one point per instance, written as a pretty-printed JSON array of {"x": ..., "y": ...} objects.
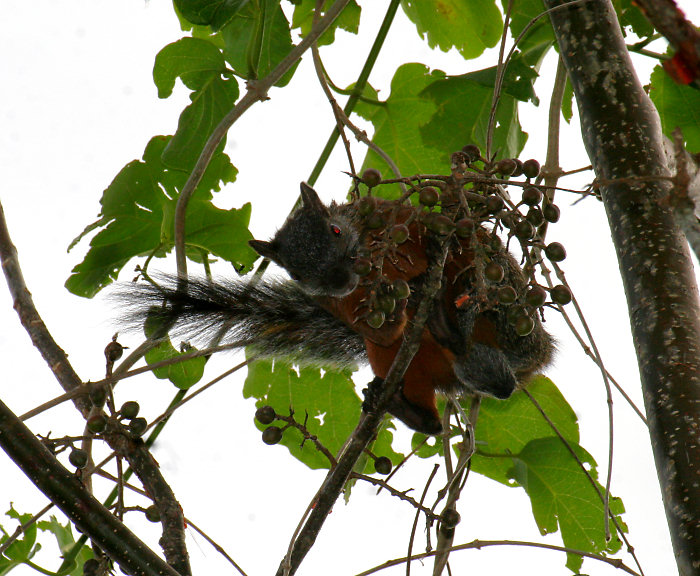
[{"x": 275, "y": 318}]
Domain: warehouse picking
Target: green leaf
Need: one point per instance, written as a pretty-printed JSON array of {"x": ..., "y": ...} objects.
[
  {"x": 397, "y": 122},
  {"x": 329, "y": 401},
  {"x": 348, "y": 19},
  {"x": 183, "y": 374},
  {"x": 562, "y": 496},
  {"x": 540, "y": 34},
  {"x": 209, "y": 105},
  {"x": 678, "y": 106},
  {"x": 194, "y": 60},
  {"x": 506, "y": 426},
  {"x": 137, "y": 215},
  {"x": 215, "y": 13},
  {"x": 65, "y": 539},
  {"x": 24, "y": 547},
  {"x": 463, "y": 107},
  {"x": 632, "y": 18},
  {"x": 257, "y": 40},
  {"x": 471, "y": 26}
]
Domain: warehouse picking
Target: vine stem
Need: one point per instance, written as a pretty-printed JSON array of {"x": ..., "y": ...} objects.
[{"x": 257, "y": 91}]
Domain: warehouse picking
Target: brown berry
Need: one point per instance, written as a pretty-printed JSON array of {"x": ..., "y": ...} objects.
[
  {"x": 272, "y": 435},
  {"x": 371, "y": 177},
  {"x": 524, "y": 325},
  {"x": 551, "y": 213},
  {"x": 152, "y": 513},
  {"x": 375, "y": 319},
  {"x": 560, "y": 294},
  {"x": 382, "y": 465},
  {"x": 532, "y": 196},
  {"x": 130, "y": 410},
  {"x": 507, "y": 295},
  {"x": 472, "y": 152},
  {"x": 531, "y": 168},
  {"x": 494, "y": 204},
  {"x": 399, "y": 233},
  {"x": 265, "y": 415},
  {"x": 536, "y": 296},
  {"x": 464, "y": 227},
  {"x": 428, "y": 196},
  {"x": 524, "y": 230},
  {"x": 366, "y": 205},
  {"x": 400, "y": 289},
  {"x": 494, "y": 272},
  {"x": 78, "y": 458},
  {"x": 555, "y": 252},
  {"x": 505, "y": 167}
]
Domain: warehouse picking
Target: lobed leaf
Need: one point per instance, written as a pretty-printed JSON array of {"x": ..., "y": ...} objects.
[{"x": 678, "y": 106}]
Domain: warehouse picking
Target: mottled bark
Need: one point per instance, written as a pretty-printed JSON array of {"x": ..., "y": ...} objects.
[{"x": 622, "y": 134}]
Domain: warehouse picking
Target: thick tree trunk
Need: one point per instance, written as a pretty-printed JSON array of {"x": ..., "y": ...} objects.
[{"x": 622, "y": 134}]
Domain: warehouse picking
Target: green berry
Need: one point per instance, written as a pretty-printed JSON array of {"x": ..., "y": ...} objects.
[
  {"x": 371, "y": 177},
  {"x": 382, "y": 465},
  {"x": 494, "y": 272},
  {"x": 531, "y": 168},
  {"x": 96, "y": 423},
  {"x": 374, "y": 221},
  {"x": 130, "y": 410},
  {"x": 428, "y": 196},
  {"x": 524, "y": 325},
  {"x": 137, "y": 427},
  {"x": 400, "y": 289},
  {"x": 386, "y": 303},
  {"x": 560, "y": 294},
  {"x": 507, "y": 295},
  {"x": 98, "y": 394},
  {"x": 555, "y": 252},
  {"x": 265, "y": 415},
  {"x": 362, "y": 266},
  {"x": 78, "y": 458},
  {"x": 152, "y": 513},
  {"x": 375, "y": 319},
  {"x": 366, "y": 205},
  {"x": 272, "y": 435},
  {"x": 399, "y": 233},
  {"x": 440, "y": 224}
]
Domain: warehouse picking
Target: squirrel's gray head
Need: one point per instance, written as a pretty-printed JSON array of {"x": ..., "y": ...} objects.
[{"x": 317, "y": 246}]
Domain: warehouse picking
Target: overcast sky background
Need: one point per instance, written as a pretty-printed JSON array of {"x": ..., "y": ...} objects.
[{"x": 77, "y": 104}]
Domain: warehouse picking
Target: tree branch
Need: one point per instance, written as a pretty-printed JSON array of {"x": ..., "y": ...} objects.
[{"x": 622, "y": 134}]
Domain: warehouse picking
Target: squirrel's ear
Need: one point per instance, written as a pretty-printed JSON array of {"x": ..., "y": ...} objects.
[
  {"x": 310, "y": 199},
  {"x": 265, "y": 249}
]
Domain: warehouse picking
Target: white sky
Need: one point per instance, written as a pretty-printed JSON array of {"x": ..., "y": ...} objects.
[{"x": 77, "y": 104}]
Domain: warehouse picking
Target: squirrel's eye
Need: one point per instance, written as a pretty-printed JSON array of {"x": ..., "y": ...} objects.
[{"x": 335, "y": 229}]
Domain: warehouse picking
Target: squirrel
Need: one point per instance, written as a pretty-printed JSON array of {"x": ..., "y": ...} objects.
[{"x": 356, "y": 276}]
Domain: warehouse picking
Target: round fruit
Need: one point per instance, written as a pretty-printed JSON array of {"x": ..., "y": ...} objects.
[
  {"x": 472, "y": 152},
  {"x": 465, "y": 227},
  {"x": 375, "y": 319},
  {"x": 362, "y": 266},
  {"x": 265, "y": 415},
  {"x": 555, "y": 252},
  {"x": 551, "y": 213},
  {"x": 524, "y": 230},
  {"x": 366, "y": 205},
  {"x": 382, "y": 465},
  {"x": 400, "y": 289},
  {"x": 137, "y": 427},
  {"x": 272, "y": 435},
  {"x": 524, "y": 325},
  {"x": 440, "y": 224},
  {"x": 494, "y": 204},
  {"x": 374, "y": 221},
  {"x": 534, "y": 216},
  {"x": 560, "y": 294},
  {"x": 371, "y": 177},
  {"x": 386, "y": 303},
  {"x": 532, "y": 196},
  {"x": 518, "y": 167},
  {"x": 450, "y": 518},
  {"x": 96, "y": 423},
  {"x": 494, "y": 272},
  {"x": 98, "y": 394},
  {"x": 505, "y": 167},
  {"x": 78, "y": 458},
  {"x": 536, "y": 296},
  {"x": 428, "y": 196},
  {"x": 114, "y": 351},
  {"x": 531, "y": 168},
  {"x": 152, "y": 513},
  {"x": 507, "y": 295},
  {"x": 130, "y": 409},
  {"x": 399, "y": 233}
]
